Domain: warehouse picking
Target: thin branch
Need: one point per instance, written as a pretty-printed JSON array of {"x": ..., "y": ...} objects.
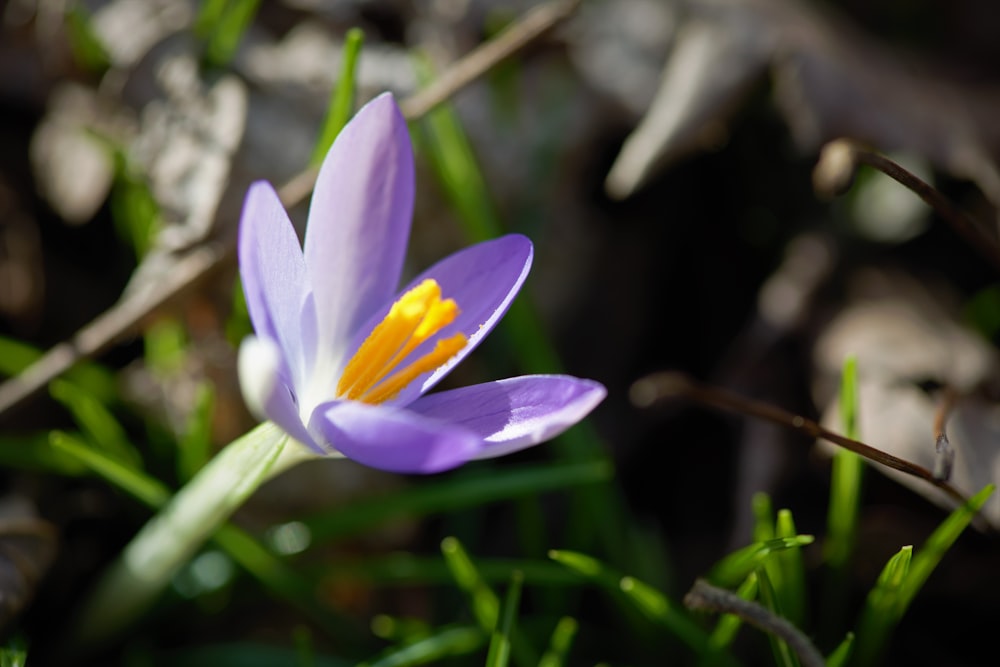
[
  {"x": 194, "y": 268},
  {"x": 834, "y": 174},
  {"x": 705, "y": 597},
  {"x": 668, "y": 385},
  {"x": 944, "y": 457},
  {"x": 535, "y": 23}
]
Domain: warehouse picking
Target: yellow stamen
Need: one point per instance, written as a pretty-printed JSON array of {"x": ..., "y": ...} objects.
[
  {"x": 413, "y": 319},
  {"x": 442, "y": 352}
]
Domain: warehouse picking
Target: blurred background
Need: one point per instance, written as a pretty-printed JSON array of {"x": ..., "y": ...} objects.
[{"x": 660, "y": 154}]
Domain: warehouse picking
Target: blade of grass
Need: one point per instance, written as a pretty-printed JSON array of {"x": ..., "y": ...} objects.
[
  {"x": 100, "y": 428},
  {"x": 903, "y": 577},
  {"x": 651, "y": 603},
  {"x": 940, "y": 541},
  {"x": 341, "y": 97},
  {"x": 878, "y": 617},
  {"x": 735, "y": 567},
  {"x": 35, "y": 452},
  {"x": 560, "y": 643},
  {"x": 88, "y": 49},
  {"x": 134, "y": 211},
  {"x": 783, "y": 654},
  {"x": 221, "y": 25},
  {"x": 842, "y": 653},
  {"x": 459, "y": 491},
  {"x": 763, "y": 517},
  {"x": 483, "y": 600},
  {"x": 729, "y": 624},
  {"x": 845, "y": 499},
  {"x": 444, "y": 643},
  {"x": 792, "y": 594},
  {"x": 194, "y": 447},
  {"x": 485, "y": 603},
  {"x": 165, "y": 346},
  {"x": 500, "y": 642},
  {"x": 133, "y": 481}
]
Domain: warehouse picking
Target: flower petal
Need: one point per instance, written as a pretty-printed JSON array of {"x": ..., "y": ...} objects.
[
  {"x": 273, "y": 273},
  {"x": 359, "y": 223},
  {"x": 483, "y": 279},
  {"x": 515, "y": 413},
  {"x": 394, "y": 439},
  {"x": 267, "y": 391}
]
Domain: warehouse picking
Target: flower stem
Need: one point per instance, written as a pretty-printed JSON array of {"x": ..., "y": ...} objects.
[{"x": 175, "y": 534}]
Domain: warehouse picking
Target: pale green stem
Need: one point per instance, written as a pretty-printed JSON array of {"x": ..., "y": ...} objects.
[{"x": 175, "y": 534}]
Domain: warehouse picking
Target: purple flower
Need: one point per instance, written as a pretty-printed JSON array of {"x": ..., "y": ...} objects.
[{"x": 342, "y": 362}]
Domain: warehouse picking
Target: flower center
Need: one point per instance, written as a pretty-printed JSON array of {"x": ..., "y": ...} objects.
[{"x": 373, "y": 374}]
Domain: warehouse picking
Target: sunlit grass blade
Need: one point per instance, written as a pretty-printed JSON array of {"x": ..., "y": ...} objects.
[
  {"x": 221, "y": 24},
  {"x": 842, "y": 653},
  {"x": 651, "y": 603},
  {"x": 792, "y": 593},
  {"x": 847, "y": 473},
  {"x": 444, "y": 643},
  {"x": 879, "y": 615},
  {"x": 783, "y": 654},
  {"x": 904, "y": 576},
  {"x": 560, "y": 643},
  {"x": 735, "y": 567},
  {"x": 342, "y": 96},
  {"x": 133, "y": 481},
  {"x": 99, "y": 426},
  {"x": 16, "y": 356},
  {"x": 195, "y": 444},
  {"x": 500, "y": 642},
  {"x": 934, "y": 549},
  {"x": 459, "y": 491}
]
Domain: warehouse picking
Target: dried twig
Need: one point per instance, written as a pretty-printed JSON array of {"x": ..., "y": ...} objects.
[
  {"x": 944, "y": 454},
  {"x": 204, "y": 261},
  {"x": 706, "y": 597},
  {"x": 834, "y": 174},
  {"x": 661, "y": 386}
]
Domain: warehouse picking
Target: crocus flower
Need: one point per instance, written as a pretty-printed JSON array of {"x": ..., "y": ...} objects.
[{"x": 342, "y": 362}]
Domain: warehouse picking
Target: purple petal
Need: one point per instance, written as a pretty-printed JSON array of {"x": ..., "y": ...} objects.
[
  {"x": 359, "y": 221},
  {"x": 273, "y": 272},
  {"x": 267, "y": 390},
  {"x": 483, "y": 279},
  {"x": 517, "y": 412},
  {"x": 394, "y": 439}
]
